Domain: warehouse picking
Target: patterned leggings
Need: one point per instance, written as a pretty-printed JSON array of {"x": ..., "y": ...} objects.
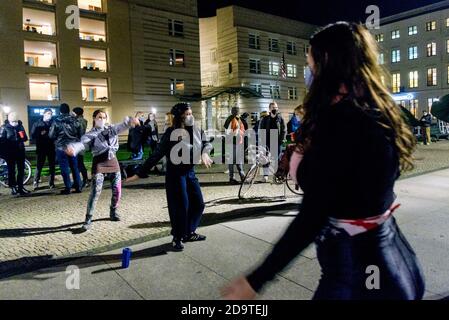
[{"x": 97, "y": 185}]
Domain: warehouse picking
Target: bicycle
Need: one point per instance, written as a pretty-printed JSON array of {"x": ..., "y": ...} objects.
[
  {"x": 262, "y": 157},
  {"x": 4, "y": 172}
]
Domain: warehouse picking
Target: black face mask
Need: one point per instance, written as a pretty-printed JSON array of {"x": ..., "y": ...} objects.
[{"x": 274, "y": 112}]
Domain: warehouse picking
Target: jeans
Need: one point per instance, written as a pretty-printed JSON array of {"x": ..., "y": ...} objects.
[
  {"x": 97, "y": 186},
  {"x": 66, "y": 163},
  {"x": 137, "y": 156},
  {"x": 377, "y": 264},
  {"x": 185, "y": 201}
]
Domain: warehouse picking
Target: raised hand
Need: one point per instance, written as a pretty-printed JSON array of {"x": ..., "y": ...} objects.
[
  {"x": 206, "y": 160},
  {"x": 132, "y": 178},
  {"x": 238, "y": 289}
]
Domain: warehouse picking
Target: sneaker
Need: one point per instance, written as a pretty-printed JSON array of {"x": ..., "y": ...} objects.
[
  {"x": 114, "y": 215},
  {"x": 233, "y": 181},
  {"x": 35, "y": 185},
  {"x": 227, "y": 171},
  {"x": 194, "y": 237},
  {"x": 13, "y": 191},
  {"x": 242, "y": 176},
  {"x": 87, "y": 225},
  {"x": 265, "y": 179},
  {"x": 177, "y": 244},
  {"x": 65, "y": 191},
  {"x": 51, "y": 186},
  {"x": 24, "y": 191}
]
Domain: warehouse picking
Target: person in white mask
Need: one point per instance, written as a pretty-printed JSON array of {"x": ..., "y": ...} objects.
[
  {"x": 45, "y": 148},
  {"x": 12, "y": 140},
  {"x": 103, "y": 142},
  {"x": 184, "y": 145}
]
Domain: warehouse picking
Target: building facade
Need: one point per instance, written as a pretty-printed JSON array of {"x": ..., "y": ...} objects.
[
  {"x": 126, "y": 56},
  {"x": 241, "y": 47},
  {"x": 44, "y": 62},
  {"x": 414, "y": 47}
]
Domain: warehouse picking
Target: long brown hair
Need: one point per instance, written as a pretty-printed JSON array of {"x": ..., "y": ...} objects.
[{"x": 346, "y": 53}]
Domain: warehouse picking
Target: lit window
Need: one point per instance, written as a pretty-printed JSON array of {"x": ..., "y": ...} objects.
[
  {"x": 431, "y": 49},
  {"x": 40, "y": 54},
  {"x": 380, "y": 37},
  {"x": 413, "y": 79},
  {"x": 414, "y": 106},
  {"x": 412, "y": 30},
  {"x": 95, "y": 89},
  {"x": 273, "y": 68},
  {"x": 291, "y": 70},
  {"x": 177, "y": 86},
  {"x": 91, "y": 5},
  {"x": 92, "y": 30},
  {"x": 381, "y": 59},
  {"x": 412, "y": 52},
  {"x": 176, "y": 58},
  {"x": 395, "y": 55},
  {"x": 39, "y": 21},
  {"x": 43, "y": 87},
  {"x": 93, "y": 59},
  {"x": 396, "y": 82},
  {"x": 431, "y": 77},
  {"x": 431, "y": 25},
  {"x": 395, "y": 34}
]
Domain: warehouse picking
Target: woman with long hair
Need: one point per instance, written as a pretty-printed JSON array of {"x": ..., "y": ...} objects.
[
  {"x": 183, "y": 145},
  {"x": 355, "y": 144}
]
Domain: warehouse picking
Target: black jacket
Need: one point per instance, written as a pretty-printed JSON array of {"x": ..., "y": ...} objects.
[
  {"x": 12, "y": 139},
  {"x": 426, "y": 121},
  {"x": 40, "y": 134},
  {"x": 137, "y": 137},
  {"x": 196, "y": 146},
  {"x": 351, "y": 179},
  {"x": 265, "y": 123},
  {"x": 65, "y": 129}
]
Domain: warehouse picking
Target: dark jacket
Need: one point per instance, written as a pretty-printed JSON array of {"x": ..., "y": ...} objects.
[
  {"x": 426, "y": 121},
  {"x": 12, "y": 139},
  {"x": 196, "y": 146},
  {"x": 265, "y": 123},
  {"x": 83, "y": 123},
  {"x": 151, "y": 131},
  {"x": 65, "y": 129},
  {"x": 137, "y": 137},
  {"x": 40, "y": 134}
]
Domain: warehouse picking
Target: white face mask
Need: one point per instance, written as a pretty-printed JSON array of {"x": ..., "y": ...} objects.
[
  {"x": 100, "y": 123},
  {"x": 47, "y": 117},
  {"x": 308, "y": 77},
  {"x": 12, "y": 117},
  {"x": 189, "y": 121},
  {"x": 298, "y": 117}
]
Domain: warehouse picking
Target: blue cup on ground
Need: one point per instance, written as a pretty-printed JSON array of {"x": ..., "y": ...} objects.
[{"x": 126, "y": 257}]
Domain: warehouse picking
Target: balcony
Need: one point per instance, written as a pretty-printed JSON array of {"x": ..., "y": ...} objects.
[
  {"x": 91, "y": 5},
  {"x": 40, "y": 54},
  {"x": 93, "y": 59},
  {"x": 43, "y": 87},
  {"x": 39, "y": 21},
  {"x": 95, "y": 89},
  {"x": 92, "y": 30}
]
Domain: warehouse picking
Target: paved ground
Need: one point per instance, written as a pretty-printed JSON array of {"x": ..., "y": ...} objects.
[
  {"x": 45, "y": 225},
  {"x": 233, "y": 247}
]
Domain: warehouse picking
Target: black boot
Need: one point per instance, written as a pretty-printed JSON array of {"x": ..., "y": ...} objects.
[
  {"x": 177, "y": 244},
  {"x": 114, "y": 215}
]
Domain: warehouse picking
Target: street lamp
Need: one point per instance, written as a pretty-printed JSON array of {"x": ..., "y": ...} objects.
[
  {"x": 153, "y": 110},
  {"x": 6, "y": 109}
]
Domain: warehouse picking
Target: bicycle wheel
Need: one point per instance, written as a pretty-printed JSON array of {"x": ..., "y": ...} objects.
[
  {"x": 27, "y": 173},
  {"x": 292, "y": 186},
  {"x": 248, "y": 182},
  {"x": 3, "y": 173}
]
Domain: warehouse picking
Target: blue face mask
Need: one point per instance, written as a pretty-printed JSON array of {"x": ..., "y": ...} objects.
[{"x": 308, "y": 77}]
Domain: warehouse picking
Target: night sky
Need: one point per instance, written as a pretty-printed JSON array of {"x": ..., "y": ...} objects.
[{"x": 316, "y": 11}]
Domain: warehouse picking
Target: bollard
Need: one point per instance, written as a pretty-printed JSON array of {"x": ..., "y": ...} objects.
[{"x": 126, "y": 257}]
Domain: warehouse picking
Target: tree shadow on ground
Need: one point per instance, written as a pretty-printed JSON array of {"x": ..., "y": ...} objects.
[
  {"x": 47, "y": 264},
  {"x": 26, "y": 232}
]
